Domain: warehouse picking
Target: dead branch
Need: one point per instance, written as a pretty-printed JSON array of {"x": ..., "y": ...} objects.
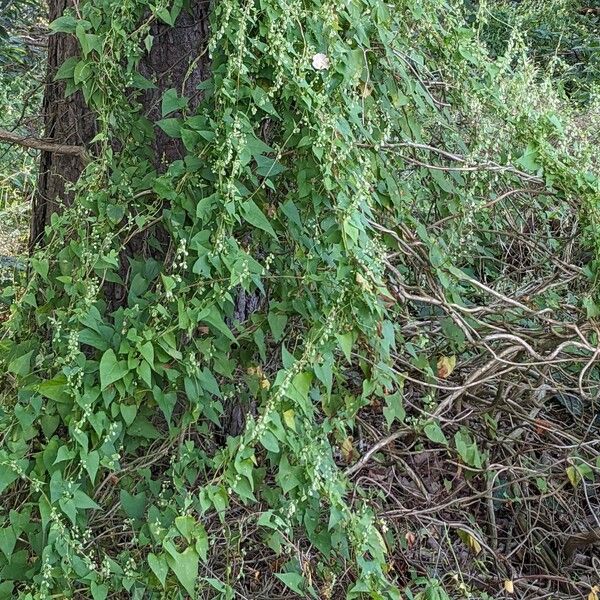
[{"x": 44, "y": 145}]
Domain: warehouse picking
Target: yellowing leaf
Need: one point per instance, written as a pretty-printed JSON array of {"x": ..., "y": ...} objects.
[
  {"x": 573, "y": 475},
  {"x": 509, "y": 586},
  {"x": 469, "y": 541},
  {"x": 593, "y": 595},
  {"x": 289, "y": 417},
  {"x": 347, "y": 449},
  {"x": 445, "y": 366}
]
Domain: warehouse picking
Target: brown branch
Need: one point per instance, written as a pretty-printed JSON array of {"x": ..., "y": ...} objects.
[{"x": 44, "y": 145}]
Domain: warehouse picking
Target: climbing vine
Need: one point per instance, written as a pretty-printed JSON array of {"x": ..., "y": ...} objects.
[{"x": 262, "y": 287}]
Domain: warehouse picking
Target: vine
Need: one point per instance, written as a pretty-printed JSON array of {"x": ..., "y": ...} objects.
[{"x": 293, "y": 183}]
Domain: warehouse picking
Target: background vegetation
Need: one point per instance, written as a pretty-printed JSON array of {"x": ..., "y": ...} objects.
[{"x": 366, "y": 364}]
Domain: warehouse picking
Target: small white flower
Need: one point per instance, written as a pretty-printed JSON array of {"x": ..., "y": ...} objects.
[{"x": 320, "y": 62}]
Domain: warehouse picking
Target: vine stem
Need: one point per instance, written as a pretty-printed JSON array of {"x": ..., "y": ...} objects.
[{"x": 378, "y": 446}]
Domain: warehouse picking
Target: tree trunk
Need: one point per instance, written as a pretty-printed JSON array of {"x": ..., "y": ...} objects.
[{"x": 68, "y": 120}]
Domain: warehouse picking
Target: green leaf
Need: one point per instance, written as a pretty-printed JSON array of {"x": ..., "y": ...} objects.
[
  {"x": 67, "y": 69},
  {"x": 145, "y": 372},
  {"x": 298, "y": 390},
  {"x": 171, "y": 102},
  {"x": 99, "y": 591},
  {"x": 172, "y": 127},
  {"x": 8, "y": 540},
  {"x": 64, "y": 24},
  {"x": 592, "y": 309},
  {"x": 186, "y": 525},
  {"x": 394, "y": 409},
  {"x": 115, "y": 212},
  {"x": 82, "y": 500},
  {"x": 55, "y": 389},
  {"x": 529, "y": 159},
  {"x": 147, "y": 351},
  {"x": 7, "y": 476},
  {"x": 64, "y": 453},
  {"x": 128, "y": 412},
  {"x": 185, "y": 567},
  {"x": 21, "y": 365},
  {"x": 41, "y": 267},
  {"x": 269, "y": 441},
  {"x": 212, "y": 316},
  {"x": 294, "y": 581},
  {"x": 345, "y": 340},
  {"x": 277, "y": 323},
  {"x": 111, "y": 369},
  {"x": 134, "y": 506},
  {"x": 159, "y": 567},
  {"x": 268, "y": 167},
  {"x": 434, "y": 433},
  {"x": 91, "y": 462},
  {"x": 253, "y": 215},
  {"x": 164, "y": 15}
]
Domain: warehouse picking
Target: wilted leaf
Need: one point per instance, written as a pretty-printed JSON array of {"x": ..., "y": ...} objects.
[
  {"x": 347, "y": 449},
  {"x": 573, "y": 475},
  {"x": 445, "y": 366}
]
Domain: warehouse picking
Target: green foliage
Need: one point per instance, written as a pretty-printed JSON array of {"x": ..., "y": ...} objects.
[
  {"x": 294, "y": 183},
  {"x": 18, "y": 17},
  {"x": 560, "y": 36}
]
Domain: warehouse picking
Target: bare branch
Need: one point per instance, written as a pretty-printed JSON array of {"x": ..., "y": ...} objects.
[{"x": 44, "y": 145}]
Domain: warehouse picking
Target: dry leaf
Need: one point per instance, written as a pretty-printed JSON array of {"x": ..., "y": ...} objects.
[
  {"x": 542, "y": 426},
  {"x": 593, "y": 595},
  {"x": 410, "y": 538},
  {"x": 509, "y": 586},
  {"x": 347, "y": 449},
  {"x": 388, "y": 301},
  {"x": 445, "y": 366}
]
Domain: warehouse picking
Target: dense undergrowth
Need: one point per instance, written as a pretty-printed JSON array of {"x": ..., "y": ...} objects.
[{"x": 381, "y": 256}]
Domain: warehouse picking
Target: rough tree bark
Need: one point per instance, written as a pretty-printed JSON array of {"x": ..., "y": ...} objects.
[
  {"x": 66, "y": 121},
  {"x": 177, "y": 59}
]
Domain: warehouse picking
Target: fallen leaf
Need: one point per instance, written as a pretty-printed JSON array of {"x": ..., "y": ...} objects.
[
  {"x": 410, "y": 538},
  {"x": 445, "y": 366},
  {"x": 573, "y": 475},
  {"x": 469, "y": 541},
  {"x": 593, "y": 595},
  {"x": 542, "y": 426},
  {"x": 509, "y": 586}
]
